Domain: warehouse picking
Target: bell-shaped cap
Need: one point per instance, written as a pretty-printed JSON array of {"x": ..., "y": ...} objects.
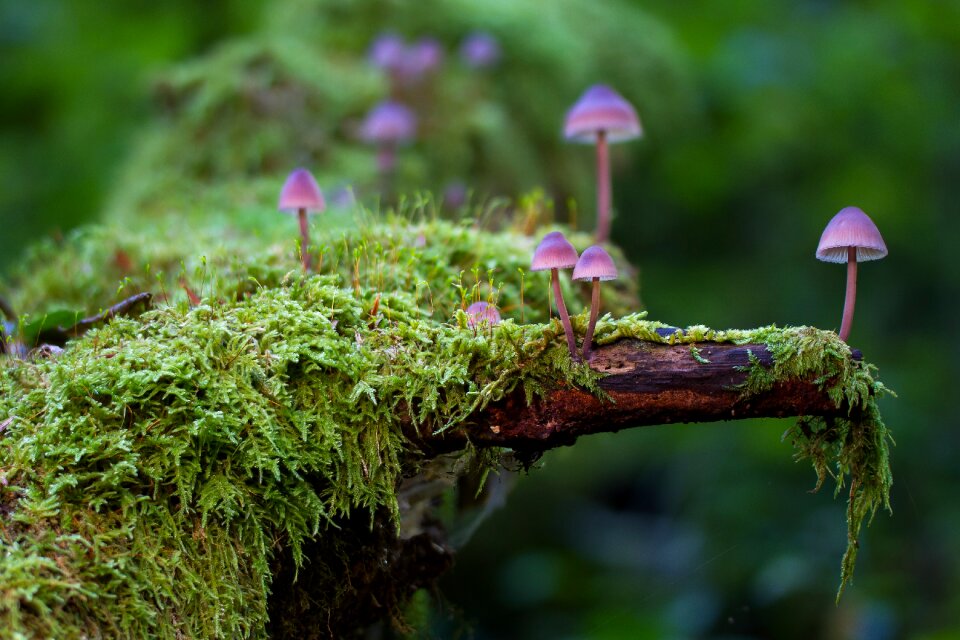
[
  {"x": 554, "y": 252},
  {"x": 595, "y": 263},
  {"x": 851, "y": 228},
  {"x": 482, "y": 312},
  {"x": 389, "y": 122},
  {"x": 601, "y": 108},
  {"x": 301, "y": 191}
]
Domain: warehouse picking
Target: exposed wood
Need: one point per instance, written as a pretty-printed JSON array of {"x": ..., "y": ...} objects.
[{"x": 647, "y": 384}]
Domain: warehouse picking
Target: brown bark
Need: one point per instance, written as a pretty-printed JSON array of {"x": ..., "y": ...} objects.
[{"x": 647, "y": 384}]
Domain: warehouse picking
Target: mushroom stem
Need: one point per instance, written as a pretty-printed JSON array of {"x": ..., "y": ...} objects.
[
  {"x": 386, "y": 165},
  {"x": 386, "y": 158},
  {"x": 851, "y": 297},
  {"x": 603, "y": 188},
  {"x": 304, "y": 240},
  {"x": 564, "y": 316},
  {"x": 594, "y": 312}
]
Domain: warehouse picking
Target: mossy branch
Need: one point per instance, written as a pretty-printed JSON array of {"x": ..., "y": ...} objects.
[
  {"x": 644, "y": 383},
  {"x": 232, "y": 444}
]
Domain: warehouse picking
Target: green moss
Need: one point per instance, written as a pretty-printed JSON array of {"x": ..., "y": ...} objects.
[
  {"x": 854, "y": 446},
  {"x": 160, "y": 462},
  {"x": 152, "y": 474}
]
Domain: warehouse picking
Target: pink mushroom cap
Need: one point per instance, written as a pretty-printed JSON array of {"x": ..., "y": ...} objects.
[
  {"x": 480, "y": 49},
  {"x": 301, "y": 191},
  {"x": 554, "y": 252},
  {"x": 851, "y": 227},
  {"x": 389, "y": 122},
  {"x": 600, "y": 108},
  {"x": 424, "y": 56},
  {"x": 595, "y": 263},
  {"x": 482, "y": 312},
  {"x": 387, "y": 51}
]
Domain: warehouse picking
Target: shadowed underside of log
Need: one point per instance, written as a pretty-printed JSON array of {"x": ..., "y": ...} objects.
[{"x": 646, "y": 384}]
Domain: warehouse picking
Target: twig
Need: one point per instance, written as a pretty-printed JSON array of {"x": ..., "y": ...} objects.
[
  {"x": 60, "y": 335},
  {"x": 646, "y": 384}
]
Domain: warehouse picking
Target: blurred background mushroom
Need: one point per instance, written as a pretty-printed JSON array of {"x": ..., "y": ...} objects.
[
  {"x": 480, "y": 50},
  {"x": 388, "y": 126},
  {"x": 599, "y": 117}
]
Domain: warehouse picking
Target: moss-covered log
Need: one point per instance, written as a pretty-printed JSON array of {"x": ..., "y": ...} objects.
[
  {"x": 257, "y": 456},
  {"x": 645, "y": 384}
]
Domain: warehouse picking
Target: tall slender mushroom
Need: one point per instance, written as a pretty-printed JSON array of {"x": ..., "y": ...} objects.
[
  {"x": 301, "y": 194},
  {"x": 851, "y": 237},
  {"x": 595, "y": 264},
  {"x": 600, "y": 116},
  {"x": 554, "y": 253},
  {"x": 388, "y": 125}
]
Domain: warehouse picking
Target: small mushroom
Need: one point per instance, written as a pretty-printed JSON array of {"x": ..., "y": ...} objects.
[
  {"x": 553, "y": 253},
  {"x": 387, "y": 126},
  {"x": 387, "y": 51},
  {"x": 480, "y": 313},
  {"x": 602, "y": 115},
  {"x": 480, "y": 50},
  {"x": 422, "y": 58},
  {"x": 302, "y": 195},
  {"x": 595, "y": 264},
  {"x": 851, "y": 237}
]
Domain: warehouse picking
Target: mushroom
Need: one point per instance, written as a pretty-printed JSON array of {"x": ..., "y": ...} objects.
[
  {"x": 423, "y": 57},
  {"x": 595, "y": 264},
  {"x": 387, "y": 52},
  {"x": 602, "y": 115},
  {"x": 851, "y": 237},
  {"x": 479, "y": 50},
  {"x": 555, "y": 252},
  {"x": 388, "y": 125},
  {"x": 482, "y": 313},
  {"x": 301, "y": 193}
]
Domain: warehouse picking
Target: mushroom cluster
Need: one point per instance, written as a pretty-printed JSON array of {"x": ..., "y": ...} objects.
[
  {"x": 600, "y": 116},
  {"x": 388, "y": 126},
  {"x": 554, "y": 253}
]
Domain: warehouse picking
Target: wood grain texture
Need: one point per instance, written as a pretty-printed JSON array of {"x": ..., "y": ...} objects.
[{"x": 647, "y": 384}]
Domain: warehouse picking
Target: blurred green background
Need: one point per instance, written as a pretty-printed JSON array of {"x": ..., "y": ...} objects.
[{"x": 762, "y": 118}]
